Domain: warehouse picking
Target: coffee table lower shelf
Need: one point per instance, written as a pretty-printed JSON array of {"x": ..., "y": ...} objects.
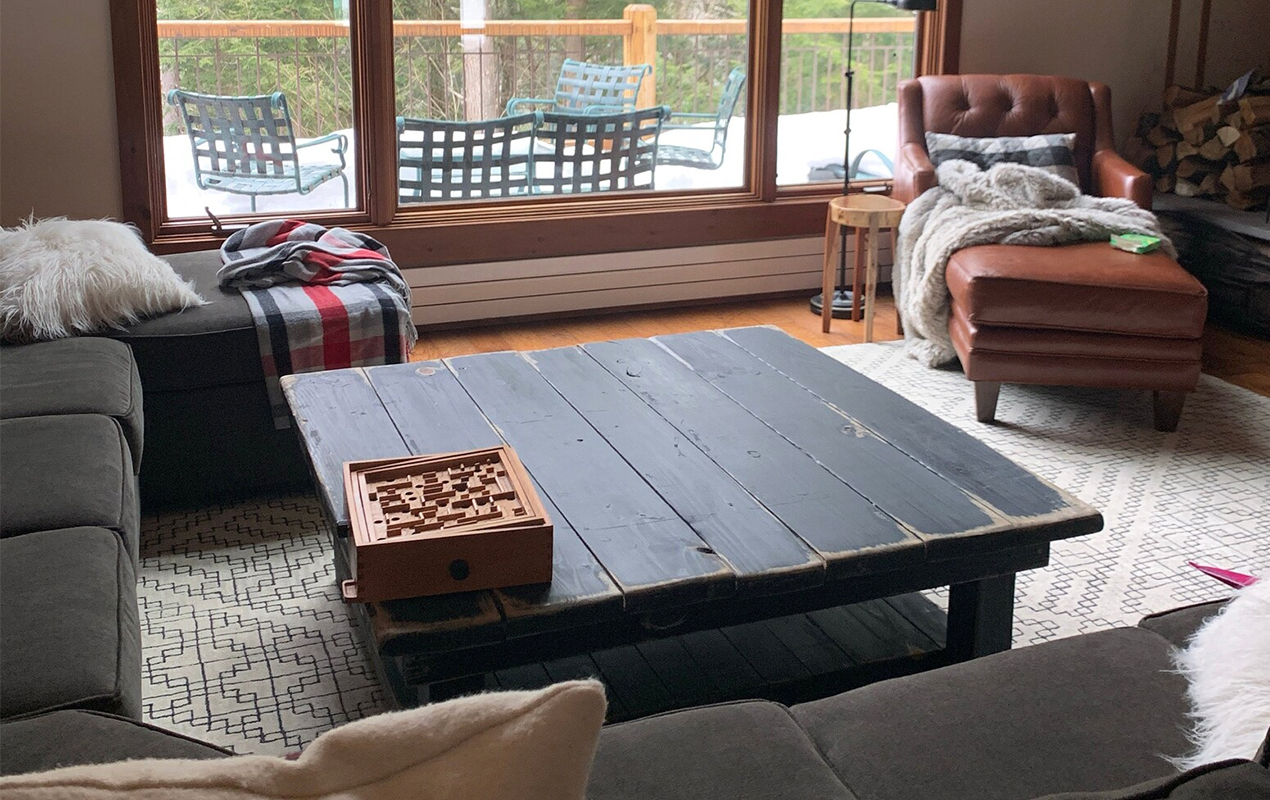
[{"x": 789, "y": 659}]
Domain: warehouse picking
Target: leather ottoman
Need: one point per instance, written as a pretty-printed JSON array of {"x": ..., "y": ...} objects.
[{"x": 1080, "y": 315}]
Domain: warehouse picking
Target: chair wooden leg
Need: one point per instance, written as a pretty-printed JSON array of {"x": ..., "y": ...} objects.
[
  {"x": 871, "y": 282},
  {"x": 1168, "y": 410},
  {"x": 827, "y": 277},
  {"x": 857, "y": 275},
  {"x": 986, "y": 393}
]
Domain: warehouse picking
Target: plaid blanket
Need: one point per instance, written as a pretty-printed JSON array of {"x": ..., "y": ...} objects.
[{"x": 321, "y": 299}]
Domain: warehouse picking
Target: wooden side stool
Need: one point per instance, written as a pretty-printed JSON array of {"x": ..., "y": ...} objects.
[{"x": 866, "y": 213}]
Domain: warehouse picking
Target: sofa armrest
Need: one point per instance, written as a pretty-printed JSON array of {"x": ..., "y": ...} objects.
[
  {"x": 1180, "y": 624},
  {"x": 914, "y": 173},
  {"x": 1115, "y": 177}
]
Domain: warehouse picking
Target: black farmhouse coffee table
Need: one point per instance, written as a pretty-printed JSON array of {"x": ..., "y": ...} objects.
[{"x": 695, "y": 481}]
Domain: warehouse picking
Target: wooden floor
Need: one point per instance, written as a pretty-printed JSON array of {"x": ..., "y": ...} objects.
[{"x": 1242, "y": 360}]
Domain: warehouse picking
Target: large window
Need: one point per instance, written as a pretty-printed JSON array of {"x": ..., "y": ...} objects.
[
  {"x": 257, "y": 106},
  {"x": 814, "y": 51},
  {"x": 485, "y": 129}
]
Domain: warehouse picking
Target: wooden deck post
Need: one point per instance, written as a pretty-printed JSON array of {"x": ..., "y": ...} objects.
[{"x": 639, "y": 46}]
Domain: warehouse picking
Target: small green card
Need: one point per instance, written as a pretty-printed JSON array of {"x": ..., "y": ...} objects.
[{"x": 1135, "y": 242}]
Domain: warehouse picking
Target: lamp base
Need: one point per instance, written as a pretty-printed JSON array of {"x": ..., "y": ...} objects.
[{"x": 841, "y": 304}]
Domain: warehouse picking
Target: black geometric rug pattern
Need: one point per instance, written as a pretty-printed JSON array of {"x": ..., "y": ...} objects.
[
  {"x": 1202, "y": 493},
  {"x": 247, "y": 644},
  {"x": 245, "y": 640}
]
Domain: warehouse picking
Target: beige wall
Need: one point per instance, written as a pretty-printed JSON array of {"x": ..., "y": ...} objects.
[
  {"x": 58, "y": 148},
  {"x": 1122, "y": 43}
]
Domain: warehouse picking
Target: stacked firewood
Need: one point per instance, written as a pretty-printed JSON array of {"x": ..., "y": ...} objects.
[{"x": 1203, "y": 146}]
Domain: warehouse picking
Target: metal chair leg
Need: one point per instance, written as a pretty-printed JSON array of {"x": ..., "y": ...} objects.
[
  {"x": 253, "y": 203},
  {"x": 344, "y": 178}
]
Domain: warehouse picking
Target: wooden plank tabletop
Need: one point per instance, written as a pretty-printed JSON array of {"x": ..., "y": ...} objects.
[{"x": 681, "y": 470}]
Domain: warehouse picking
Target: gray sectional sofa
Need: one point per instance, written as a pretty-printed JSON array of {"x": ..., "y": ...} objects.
[
  {"x": 1093, "y": 712},
  {"x": 71, "y": 440}
]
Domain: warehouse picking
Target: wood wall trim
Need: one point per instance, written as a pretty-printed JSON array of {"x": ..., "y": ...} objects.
[
  {"x": 939, "y": 39},
  {"x": 136, "y": 62},
  {"x": 473, "y": 240},
  {"x": 375, "y": 105}
]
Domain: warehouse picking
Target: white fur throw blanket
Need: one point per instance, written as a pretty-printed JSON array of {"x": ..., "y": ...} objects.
[
  {"x": 1227, "y": 664},
  {"x": 1007, "y": 204}
]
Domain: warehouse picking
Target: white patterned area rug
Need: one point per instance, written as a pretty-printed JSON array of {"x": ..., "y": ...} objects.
[
  {"x": 1202, "y": 493},
  {"x": 246, "y": 643}
]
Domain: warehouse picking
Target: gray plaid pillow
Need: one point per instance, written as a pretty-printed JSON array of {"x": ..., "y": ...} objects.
[{"x": 1052, "y": 152}]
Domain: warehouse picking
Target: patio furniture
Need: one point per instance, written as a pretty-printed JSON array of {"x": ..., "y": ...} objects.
[
  {"x": 695, "y": 157},
  {"x": 597, "y": 152},
  {"x": 441, "y": 160},
  {"x": 834, "y": 171},
  {"x": 247, "y": 145},
  {"x": 582, "y": 86}
]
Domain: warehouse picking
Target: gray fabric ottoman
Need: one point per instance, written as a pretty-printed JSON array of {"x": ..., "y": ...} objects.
[
  {"x": 209, "y": 429},
  {"x": 69, "y": 634}
]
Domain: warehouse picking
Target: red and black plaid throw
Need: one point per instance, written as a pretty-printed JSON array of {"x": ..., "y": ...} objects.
[{"x": 321, "y": 299}]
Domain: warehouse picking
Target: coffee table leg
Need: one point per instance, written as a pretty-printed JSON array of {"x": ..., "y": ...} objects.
[{"x": 980, "y": 617}]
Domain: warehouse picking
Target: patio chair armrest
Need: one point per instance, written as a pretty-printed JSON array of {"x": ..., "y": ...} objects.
[
  {"x": 514, "y": 104},
  {"x": 692, "y": 115},
  {"x": 330, "y": 137}
]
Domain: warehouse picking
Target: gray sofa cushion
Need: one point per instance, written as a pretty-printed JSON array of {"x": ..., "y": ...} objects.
[
  {"x": 1093, "y": 712},
  {"x": 84, "y": 375},
  {"x": 1180, "y": 624},
  {"x": 67, "y": 471},
  {"x": 69, "y": 635},
  {"x": 750, "y": 750},
  {"x": 71, "y": 738},
  {"x": 211, "y": 345}
]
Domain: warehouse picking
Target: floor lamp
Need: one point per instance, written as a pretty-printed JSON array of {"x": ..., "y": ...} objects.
[{"x": 842, "y": 296}]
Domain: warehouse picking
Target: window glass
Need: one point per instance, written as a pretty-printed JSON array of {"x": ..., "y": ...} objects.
[
  {"x": 510, "y": 99},
  {"x": 814, "y": 51},
  {"x": 257, "y": 98}
]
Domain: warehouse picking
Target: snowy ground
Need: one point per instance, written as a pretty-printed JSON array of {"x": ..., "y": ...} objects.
[{"x": 804, "y": 142}]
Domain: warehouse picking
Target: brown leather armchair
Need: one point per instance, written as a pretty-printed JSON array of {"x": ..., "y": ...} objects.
[{"x": 1076, "y": 315}]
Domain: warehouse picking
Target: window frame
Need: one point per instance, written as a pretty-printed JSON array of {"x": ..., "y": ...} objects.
[{"x": 529, "y": 228}]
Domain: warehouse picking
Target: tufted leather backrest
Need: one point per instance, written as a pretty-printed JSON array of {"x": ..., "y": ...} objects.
[{"x": 1008, "y": 105}]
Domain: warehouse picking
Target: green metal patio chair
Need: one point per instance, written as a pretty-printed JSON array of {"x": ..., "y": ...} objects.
[
  {"x": 246, "y": 145},
  {"x": 583, "y": 86},
  {"x": 596, "y": 152},
  {"x": 442, "y": 160},
  {"x": 696, "y": 157}
]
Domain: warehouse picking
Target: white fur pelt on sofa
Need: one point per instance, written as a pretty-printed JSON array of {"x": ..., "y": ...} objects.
[
  {"x": 1227, "y": 664},
  {"x": 1006, "y": 204},
  {"x": 61, "y": 277}
]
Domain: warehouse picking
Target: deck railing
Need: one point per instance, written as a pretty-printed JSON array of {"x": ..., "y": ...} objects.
[{"x": 446, "y": 70}]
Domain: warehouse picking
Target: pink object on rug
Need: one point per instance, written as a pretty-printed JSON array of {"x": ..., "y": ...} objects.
[{"x": 1229, "y": 577}]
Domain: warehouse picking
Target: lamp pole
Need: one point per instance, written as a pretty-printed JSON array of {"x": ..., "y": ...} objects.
[{"x": 842, "y": 297}]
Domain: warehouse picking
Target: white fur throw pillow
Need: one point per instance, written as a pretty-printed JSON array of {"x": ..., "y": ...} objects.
[
  {"x": 61, "y": 277},
  {"x": 496, "y": 746},
  {"x": 1227, "y": 663}
]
